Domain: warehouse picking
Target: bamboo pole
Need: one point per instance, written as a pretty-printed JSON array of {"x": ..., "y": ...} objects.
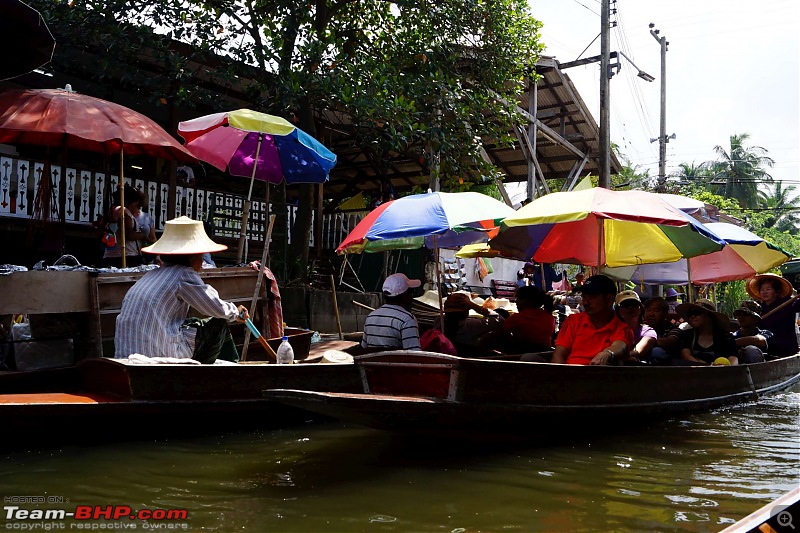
[
  {"x": 336, "y": 308},
  {"x": 246, "y": 207},
  {"x": 260, "y": 278},
  {"x": 122, "y": 203}
]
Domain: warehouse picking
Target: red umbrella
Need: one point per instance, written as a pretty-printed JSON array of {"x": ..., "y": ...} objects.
[
  {"x": 66, "y": 119},
  {"x": 63, "y": 118}
]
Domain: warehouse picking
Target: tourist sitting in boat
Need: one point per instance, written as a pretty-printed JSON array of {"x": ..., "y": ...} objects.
[
  {"x": 596, "y": 336},
  {"x": 708, "y": 340},
  {"x": 752, "y": 341},
  {"x": 153, "y": 319},
  {"x": 671, "y": 297},
  {"x": 778, "y": 316},
  {"x": 656, "y": 315},
  {"x": 392, "y": 326},
  {"x": 531, "y": 329},
  {"x": 630, "y": 310},
  {"x": 466, "y": 323}
]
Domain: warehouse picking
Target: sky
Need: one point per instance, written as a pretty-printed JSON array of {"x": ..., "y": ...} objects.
[{"x": 732, "y": 67}]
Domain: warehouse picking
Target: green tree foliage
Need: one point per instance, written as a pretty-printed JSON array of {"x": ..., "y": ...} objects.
[
  {"x": 781, "y": 206},
  {"x": 742, "y": 168},
  {"x": 430, "y": 80}
]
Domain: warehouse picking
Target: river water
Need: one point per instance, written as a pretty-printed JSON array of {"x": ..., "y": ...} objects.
[{"x": 696, "y": 472}]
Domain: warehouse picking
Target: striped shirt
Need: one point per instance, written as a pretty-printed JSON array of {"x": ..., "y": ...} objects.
[
  {"x": 391, "y": 326},
  {"x": 155, "y": 307}
]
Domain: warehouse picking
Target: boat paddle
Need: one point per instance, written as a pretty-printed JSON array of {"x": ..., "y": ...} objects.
[
  {"x": 784, "y": 304},
  {"x": 260, "y": 338}
]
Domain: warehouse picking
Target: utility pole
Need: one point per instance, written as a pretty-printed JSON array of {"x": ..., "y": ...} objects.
[
  {"x": 604, "y": 143},
  {"x": 662, "y": 135}
]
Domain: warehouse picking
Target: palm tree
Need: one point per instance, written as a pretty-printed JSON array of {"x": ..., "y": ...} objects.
[
  {"x": 695, "y": 174},
  {"x": 742, "y": 168},
  {"x": 784, "y": 206}
]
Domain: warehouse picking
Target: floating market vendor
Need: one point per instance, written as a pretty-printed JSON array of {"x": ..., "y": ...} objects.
[
  {"x": 778, "y": 312},
  {"x": 153, "y": 320}
]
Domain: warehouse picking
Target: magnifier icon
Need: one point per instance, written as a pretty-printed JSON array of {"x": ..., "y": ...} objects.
[{"x": 784, "y": 519}]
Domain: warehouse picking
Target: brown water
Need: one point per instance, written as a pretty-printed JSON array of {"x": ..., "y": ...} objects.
[{"x": 697, "y": 472}]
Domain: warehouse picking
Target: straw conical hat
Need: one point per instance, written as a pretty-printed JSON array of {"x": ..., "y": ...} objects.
[{"x": 183, "y": 236}]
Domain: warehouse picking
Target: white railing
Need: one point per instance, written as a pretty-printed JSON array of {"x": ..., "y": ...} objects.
[{"x": 86, "y": 190}]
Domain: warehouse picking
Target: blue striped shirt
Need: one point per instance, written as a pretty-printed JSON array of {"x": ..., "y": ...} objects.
[
  {"x": 155, "y": 307},
  {"x": 391, "y": 326}
]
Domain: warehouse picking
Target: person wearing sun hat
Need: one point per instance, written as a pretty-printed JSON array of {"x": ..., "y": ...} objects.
[
  {"x": 773, "y": 291},
  {"x": 154, "y": 319},
  {"x": 709, "y": 338},
  {"x": 392, "y": 326},
  {"x": 752, "y": 341}
]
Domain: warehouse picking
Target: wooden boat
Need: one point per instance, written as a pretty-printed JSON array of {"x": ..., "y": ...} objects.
[
  {"x": 435, "y": 394},
  {"x": 118, "y": 396},
  {"x": 777, "y": 515}
]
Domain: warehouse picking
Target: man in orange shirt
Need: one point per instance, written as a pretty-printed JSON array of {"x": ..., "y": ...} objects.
[{"x": 596, "y": 336}]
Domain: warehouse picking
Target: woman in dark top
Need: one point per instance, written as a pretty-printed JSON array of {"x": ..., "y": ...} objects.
[
  {"x": 709, "y": 337},
  {"x": 773, "y": 291}
]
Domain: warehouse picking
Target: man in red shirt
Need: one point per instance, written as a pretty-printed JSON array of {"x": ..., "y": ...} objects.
[{"x": 596, "y": 336}]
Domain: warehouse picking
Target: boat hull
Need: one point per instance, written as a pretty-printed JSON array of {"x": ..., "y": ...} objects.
[
  {"x": 433, "y": 394},
  {"x": 106, "y": 395}
]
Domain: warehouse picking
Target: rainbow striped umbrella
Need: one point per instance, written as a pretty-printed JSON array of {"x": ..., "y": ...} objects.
[
  {"x": 602, "y": 228},
  {"x": 745, "y": 255},
  {"x": 455, "y": 218}
]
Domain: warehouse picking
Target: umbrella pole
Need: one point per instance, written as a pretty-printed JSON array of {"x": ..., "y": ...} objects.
[
  {"x": 259, "y": 279},
  {"x": 122, "y": 203},
  {"x": 600, "y": 243},
  {"x": 246, "y": 207},
  {"x": 438, "y": 281},
  {"x": 544, "y": 283}
]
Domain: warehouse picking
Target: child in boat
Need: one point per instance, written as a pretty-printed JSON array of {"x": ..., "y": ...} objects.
[{"x": 753, "y": 342}]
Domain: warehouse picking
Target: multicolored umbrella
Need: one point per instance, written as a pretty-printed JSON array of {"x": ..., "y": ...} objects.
[
  {"x": 252, "y": 144},
  {"x": 259, "y": 146},
  {"x": 603, "y": 228},
  {"x": 745, "y": 255},
  {"x": 409, "y": 222}
]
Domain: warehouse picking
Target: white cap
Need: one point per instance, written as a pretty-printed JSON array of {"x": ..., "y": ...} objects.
[{"x": 397, "y": 284}]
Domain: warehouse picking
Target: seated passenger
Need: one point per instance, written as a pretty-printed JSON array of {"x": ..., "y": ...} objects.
[
  {"x": 630, "y": 311},
  {"x": 392, "y": 326},
  {"x": 532, "y": 328},
  {"x": 656, "y": 315},
  {"x": 709, "y": 338},
  {"x": 596, "y": 336},
  {"x": 753, "y": 342},
  {"x": 463, "y": 330}
]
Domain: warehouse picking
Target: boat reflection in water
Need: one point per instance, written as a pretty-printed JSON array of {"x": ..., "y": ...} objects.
[{"x": 692, "y": 472}]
